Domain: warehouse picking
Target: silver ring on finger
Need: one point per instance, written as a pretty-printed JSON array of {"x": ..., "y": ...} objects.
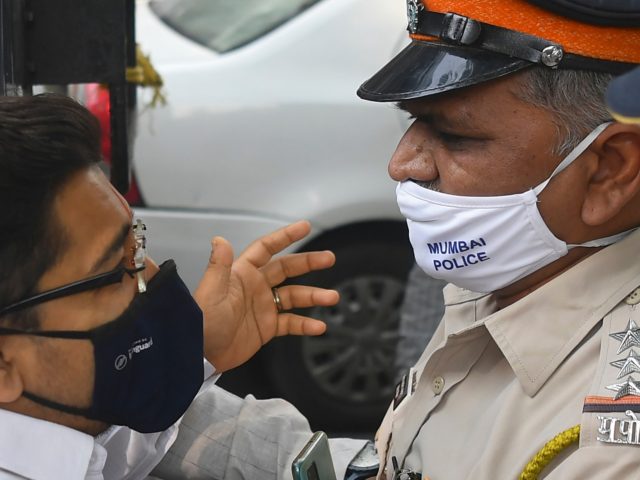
[{"x": 276, "y": 300}]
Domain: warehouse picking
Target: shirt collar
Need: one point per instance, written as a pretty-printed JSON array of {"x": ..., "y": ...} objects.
[
  {"x": 37, "y": 449},
  {"x": 536, "y": 333},
  {"x": 539, "y": 331}
]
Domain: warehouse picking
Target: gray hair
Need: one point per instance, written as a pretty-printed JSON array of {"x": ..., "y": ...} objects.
[{"x": 575, "y": 99}]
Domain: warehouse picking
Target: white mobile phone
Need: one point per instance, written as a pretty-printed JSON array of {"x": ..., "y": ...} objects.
[{"x": 314, "y": 460}]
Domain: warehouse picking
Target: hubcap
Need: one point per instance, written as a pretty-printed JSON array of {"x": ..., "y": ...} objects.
[{"x": 354, "y": 360}]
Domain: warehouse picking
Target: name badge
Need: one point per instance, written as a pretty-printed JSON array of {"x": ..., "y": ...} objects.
[
  {"x": 405, "y": 387},
  {"x": 616, "y": 430}
]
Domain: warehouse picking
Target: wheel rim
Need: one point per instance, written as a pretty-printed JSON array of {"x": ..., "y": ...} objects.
[{"x": 355, "y": 360}]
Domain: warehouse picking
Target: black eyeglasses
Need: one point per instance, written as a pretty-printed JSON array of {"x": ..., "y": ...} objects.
[{"x": 97, "y": 281}]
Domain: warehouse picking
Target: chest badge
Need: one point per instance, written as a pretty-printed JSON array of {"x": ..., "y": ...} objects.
[{"x": 405, "y": 387}]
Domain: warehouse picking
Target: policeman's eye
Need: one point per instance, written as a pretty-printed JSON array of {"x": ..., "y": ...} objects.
[
  {"x": 451, "y": 138},
  {"x": 453, "y": 141}
]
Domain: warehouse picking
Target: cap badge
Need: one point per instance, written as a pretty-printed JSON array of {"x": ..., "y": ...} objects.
[{"x": 414, "y": 7}]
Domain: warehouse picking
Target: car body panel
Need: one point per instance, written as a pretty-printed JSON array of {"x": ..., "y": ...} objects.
[
  {"x": 269, "y": 133},
  {"x": 225, "y": 120}
]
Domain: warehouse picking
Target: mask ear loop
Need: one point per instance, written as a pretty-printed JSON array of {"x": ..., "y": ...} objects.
[
  {"x": 568, "y": 160},
  {"x": 575, "y": 153},
  {"x": 140, "y": 253},
  {"x": 604, "y": 241}
]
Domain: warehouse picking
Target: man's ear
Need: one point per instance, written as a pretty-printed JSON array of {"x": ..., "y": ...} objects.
[
  {"x": 11, "y": 385},
  {"x": 614, "y": 181}
]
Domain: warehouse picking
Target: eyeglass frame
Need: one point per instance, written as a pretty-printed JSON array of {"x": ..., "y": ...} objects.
[{"x": 97, "y": 281}]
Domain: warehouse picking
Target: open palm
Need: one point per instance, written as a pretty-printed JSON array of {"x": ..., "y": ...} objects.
[{"x": 236, "y": 297}]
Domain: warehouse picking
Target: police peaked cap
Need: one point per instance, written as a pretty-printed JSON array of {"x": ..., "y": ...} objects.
[{"x": 459, "y": 43}]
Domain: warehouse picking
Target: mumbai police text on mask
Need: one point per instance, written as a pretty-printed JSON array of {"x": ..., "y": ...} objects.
[{"x": 458, "y": 247}]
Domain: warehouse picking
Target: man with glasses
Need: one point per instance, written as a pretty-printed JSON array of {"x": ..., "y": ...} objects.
[{"x": 101, "y": 349}]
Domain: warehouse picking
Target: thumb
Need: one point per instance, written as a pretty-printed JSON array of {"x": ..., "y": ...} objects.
[
  {"x": 216, "y": 276},
  {"x": 221, "y": 254}
]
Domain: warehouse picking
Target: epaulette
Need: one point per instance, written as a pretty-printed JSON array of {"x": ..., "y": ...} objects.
[{"x": 611, "y": 411}]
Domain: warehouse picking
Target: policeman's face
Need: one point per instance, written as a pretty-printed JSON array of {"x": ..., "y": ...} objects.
[
  {"x": 462, "y": 139},
  {"x": 97, "y": 225},
  {"x": 484, "y": 141}
]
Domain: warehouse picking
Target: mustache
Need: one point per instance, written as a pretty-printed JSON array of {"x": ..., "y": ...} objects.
[{"x": 433, "y": 185}]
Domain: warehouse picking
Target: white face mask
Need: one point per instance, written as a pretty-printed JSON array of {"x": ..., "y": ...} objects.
[{"x": 485, "y": 243}]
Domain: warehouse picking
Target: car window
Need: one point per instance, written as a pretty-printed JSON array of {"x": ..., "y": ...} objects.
[{"x": 226, "y": 24}]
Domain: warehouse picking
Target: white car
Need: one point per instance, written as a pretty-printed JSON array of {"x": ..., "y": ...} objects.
[{"x": 262, "y": 127}]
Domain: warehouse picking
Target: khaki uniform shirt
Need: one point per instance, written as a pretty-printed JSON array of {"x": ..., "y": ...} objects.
[{"x": 492, "y": 387}]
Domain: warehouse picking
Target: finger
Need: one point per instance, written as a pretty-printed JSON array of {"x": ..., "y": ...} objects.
[
  {"x": 302, "y": 296},
  {"x": 295, "y": 264},
  {"x": 215, "y": 279},
  {"x": 261, "y": 250},
  {"x": 293, "y": 324}
]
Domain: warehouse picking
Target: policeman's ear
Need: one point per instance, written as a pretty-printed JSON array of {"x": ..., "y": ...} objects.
[
  {"x": 614, "y": 181},
  {"x": 11, "y": 385}
]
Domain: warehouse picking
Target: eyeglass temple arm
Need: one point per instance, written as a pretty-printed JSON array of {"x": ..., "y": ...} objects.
[{"x": 98, "y": 281}]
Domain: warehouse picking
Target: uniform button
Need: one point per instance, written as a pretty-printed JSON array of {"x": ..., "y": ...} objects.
[
  {"x": 634, "y": 297},
  {"x": 437, "y": 385}
]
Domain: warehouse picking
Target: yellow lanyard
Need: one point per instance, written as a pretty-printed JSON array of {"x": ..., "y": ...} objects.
[{"x": 550, "y": 450}]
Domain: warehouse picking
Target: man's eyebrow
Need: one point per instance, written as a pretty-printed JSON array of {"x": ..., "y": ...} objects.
[
  {"x": 437, "y": 119},
  {"x": 114, "y": 246}
]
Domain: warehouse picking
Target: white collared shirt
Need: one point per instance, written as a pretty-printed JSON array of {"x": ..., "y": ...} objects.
[
  {"x": 238, "y": 438},
  {"x": 61, "y": 452},
  {"x": 36, "y": 449}
]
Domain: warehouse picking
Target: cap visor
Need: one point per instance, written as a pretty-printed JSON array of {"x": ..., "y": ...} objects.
[{"x": 427, "y": 68}]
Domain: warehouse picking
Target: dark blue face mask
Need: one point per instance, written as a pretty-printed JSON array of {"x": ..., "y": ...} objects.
[{"x": 148, "y": 361}]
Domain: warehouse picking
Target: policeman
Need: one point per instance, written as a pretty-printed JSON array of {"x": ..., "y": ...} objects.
[{"x": 515, "y": 177}]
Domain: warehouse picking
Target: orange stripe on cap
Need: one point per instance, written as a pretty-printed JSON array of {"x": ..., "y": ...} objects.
[{"x": 620, "y": 44}]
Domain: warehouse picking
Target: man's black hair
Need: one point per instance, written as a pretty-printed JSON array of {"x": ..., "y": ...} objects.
[{"x": 44, "y": 140}]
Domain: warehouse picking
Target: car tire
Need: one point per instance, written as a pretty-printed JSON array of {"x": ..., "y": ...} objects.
[{"x": 344, "y": 379}]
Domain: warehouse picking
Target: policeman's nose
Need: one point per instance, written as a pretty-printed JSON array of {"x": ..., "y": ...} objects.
[{"x": 413, "y": 159}]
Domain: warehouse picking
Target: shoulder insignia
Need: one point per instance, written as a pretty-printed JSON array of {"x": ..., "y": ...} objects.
[
  {"x": 627, "y": 338},
  {"x": 628, "y": 365},
  {"x": 612, "y": 415}
]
